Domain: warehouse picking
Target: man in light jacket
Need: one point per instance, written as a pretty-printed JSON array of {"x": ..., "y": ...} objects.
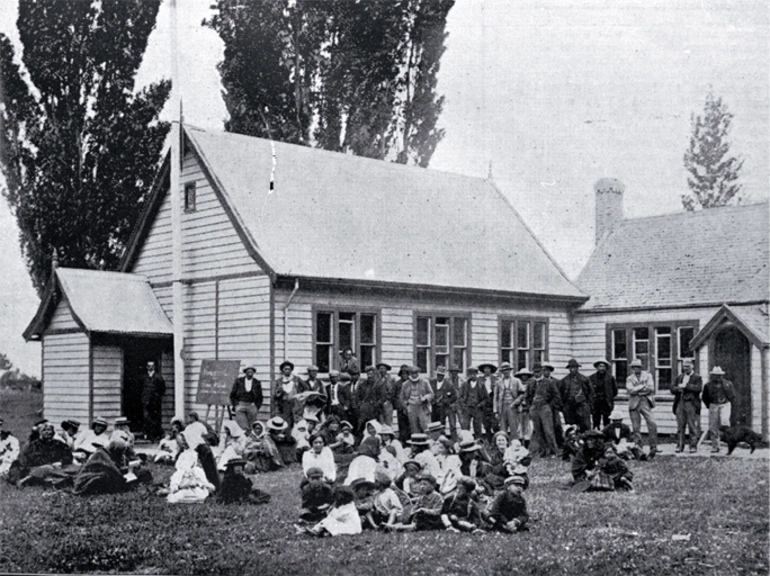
[
  {"x": 641, "y": 401},
  {"x": 416, "y": 396}
]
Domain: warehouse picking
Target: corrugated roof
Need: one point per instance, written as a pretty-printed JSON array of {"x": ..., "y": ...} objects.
[
  {"x": 706, "y": 257},
  {"x": 106, "y": 302},
  {"x": 336, "y": 216}
]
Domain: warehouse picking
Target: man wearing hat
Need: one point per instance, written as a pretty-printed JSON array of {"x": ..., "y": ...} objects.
[
  {"x": 577, "y": 397},
  {"x": 387, "y": 383},
  {"x": 246, "y": 398},
  {"x": 718, "y": 395},
  {"x": 313, "y": 384},
  {"x": 285, "y": 390},
  {"x": 401, "y": 412},
  {"x": 68, "y": 432},
  {"x": 488, "y": 382},
  {"x": 686, "y": 390},
  {"x": 472, "y": 399},
  {"x": 444, "y": 401},
  {"x": 371, "y": 397},
  {"x": 641, "y": 401},
  {"x": 508, "y": 395},
  {"x": 543, "y": 400},
  {"x": 417, "y": 395},
  {"x": 605, "y": 389},
  {"x": 153, "y": 390}
]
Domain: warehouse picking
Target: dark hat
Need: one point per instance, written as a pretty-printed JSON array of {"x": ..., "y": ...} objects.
[
  {"x": 573, "y": 363},
  {"x": 236, "y": 462},
  {"x": 427, "y": 477},
  {"x": 286, "y": 363},
  {"x": 385, "y": 364},
  {"x": 468, "y": 482},
  {"x": 412, "y": 462},
  {"x": 435, "y": 427},
  {"x": 404, "y": 368},
  {"x": 602, "y": 361},
  {"x": 537, "y": 367},
  {"x": 362, "y": 483},
  {"x": 453, "y": 367},
  {"x": 72, "y": 422},
  {"x": 471, "y": 371},
  {"x": 41, "y": 422},
  {"x": 593, "y": 434},
  {"x": 371, "y": 367},
  {"x": 411, "y": 369},
  {"x": 344, "y": 377},
  {"x": 418, "y": 439},
  {"x": 314, "y": 472},
  {"x": 441, "y": 370},
  {"x": 547, "y": 366},
  {"x": 487, "y": 365}
]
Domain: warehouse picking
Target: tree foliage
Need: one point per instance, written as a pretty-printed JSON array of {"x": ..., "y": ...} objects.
[
  {"x": 713, "y": 172},
  {"x": 78, "y": 146},
  {"x": 5, "y": 362},
  {"x": 339, "y": 75}
]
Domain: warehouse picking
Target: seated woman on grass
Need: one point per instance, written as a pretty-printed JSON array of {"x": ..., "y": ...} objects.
[
  {"x": 106, "y": 471},
  {"x": 89, "y": 440},
  {"x": 421, "y": 453},
  {"x": 277, "y": 433},
  {"x": 260, "y": 451},
  {"x": 330, "y": 429},
  {"x": 42, "y": 461},
  {"x": 192, "y": 439},
  {"x": 237, "y": 488},
  {"x": 343, "y": 518},
  {"x": 365, "y": 464},
  {"x": 508, "y": 512},
  {"x": 232, "y": 444},
  {"x": 168, "y": 448},
  {"x": 320, "y": 456}
]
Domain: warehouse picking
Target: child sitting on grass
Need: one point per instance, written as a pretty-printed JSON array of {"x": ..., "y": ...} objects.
[
  {"x": 346, "y": 438},
  {"x": 237, "y": 488},
  {"x": 426, "y": 511},
  {"x": 387, "y": 506},
  {"x": 343, "y": 518},
  {"x": 508, "y": 512},
  {"x": 461, "y": 512},
  {"x": 317, "y": 496}
]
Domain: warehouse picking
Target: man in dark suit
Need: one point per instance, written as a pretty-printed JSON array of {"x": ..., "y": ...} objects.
[
  {"x": 445, "y": 401},
  {"x": 605, "y": 389},
  {"x": 246, "y": 398},
  {"x": 686, "y": 391},
  {"x": 577, "y": 397},
  {"x": 153, "y": 389}
]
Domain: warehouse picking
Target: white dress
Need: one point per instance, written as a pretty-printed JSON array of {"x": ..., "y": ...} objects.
[{"x": 342, "y": 520}]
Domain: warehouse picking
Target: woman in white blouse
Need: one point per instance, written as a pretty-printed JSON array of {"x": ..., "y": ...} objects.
[{"x": 320, "y": 456}]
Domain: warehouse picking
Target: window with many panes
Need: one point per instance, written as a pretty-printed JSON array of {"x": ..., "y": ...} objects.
[
  {"x": 441, "y": 340},
  {"x": 660, "y": 346},
  {"x": 523, "y": 341},
  {"x": 337, "y": 329}
]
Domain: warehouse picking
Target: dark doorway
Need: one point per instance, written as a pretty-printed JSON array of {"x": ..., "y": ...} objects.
[
  {"x": 732, "y": 351},
  {"x": 136, "y": 353}
]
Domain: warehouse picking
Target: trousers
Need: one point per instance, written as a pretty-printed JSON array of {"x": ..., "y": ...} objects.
[{"x": 644, "y": 410}]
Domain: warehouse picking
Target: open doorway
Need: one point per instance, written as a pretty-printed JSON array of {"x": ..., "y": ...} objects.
[
  {"x": 137, "y": 352},
  {"x": 732, "y": 352}
]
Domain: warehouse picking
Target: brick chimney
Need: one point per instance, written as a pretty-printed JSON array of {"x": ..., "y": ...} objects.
[{"x": 609, "y": 205}]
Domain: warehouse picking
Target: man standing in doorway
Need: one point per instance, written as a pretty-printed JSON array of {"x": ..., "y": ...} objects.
[
  {"x": 686, "y": 390},
  {"x": 153, "y": 389},
  {"x": 718, "y": 395},
  {"x": 641, "y": 401}
]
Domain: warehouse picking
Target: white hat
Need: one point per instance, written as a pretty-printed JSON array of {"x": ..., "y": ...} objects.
[{"x": 717, "y": 371}]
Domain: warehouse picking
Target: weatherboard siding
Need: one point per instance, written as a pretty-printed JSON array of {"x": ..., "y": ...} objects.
[
  {"x": 62, "y": 318},
  {"x": 154, "y": 259},
  {"x": 65, "y": 377},
  {"x": 107, "y": 377},
  {"x": 397, "y": 313}
]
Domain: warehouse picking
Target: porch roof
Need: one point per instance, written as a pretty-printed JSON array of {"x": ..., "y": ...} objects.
[
  {"x": 753, "y": 321},
  {"x": 104, "y": 302}
]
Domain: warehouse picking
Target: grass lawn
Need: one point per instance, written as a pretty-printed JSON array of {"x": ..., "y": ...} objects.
[{"x": 699, "y": 516}]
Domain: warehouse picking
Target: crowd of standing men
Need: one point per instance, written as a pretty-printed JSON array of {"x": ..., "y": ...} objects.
[{"x": 526, "y": 405}]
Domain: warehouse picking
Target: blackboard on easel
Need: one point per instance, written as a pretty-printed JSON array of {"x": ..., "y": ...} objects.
[{"x": 214, "y": 385}]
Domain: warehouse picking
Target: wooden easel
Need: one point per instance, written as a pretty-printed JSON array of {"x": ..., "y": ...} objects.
[{"x": 219, "y": 415}]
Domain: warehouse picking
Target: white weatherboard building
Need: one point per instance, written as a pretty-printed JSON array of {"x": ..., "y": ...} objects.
[{"x": 402, "y": 264}]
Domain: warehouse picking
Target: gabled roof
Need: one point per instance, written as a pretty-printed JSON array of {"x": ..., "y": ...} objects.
[
  {"x": 104, "y": 302},
  {"x": 753, "y": 321},
  {"x": 709, "y": 257},
  {"x": 339, "y": 217}
]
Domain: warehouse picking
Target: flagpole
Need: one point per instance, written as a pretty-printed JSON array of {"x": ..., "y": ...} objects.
[{"x": 176, "y": 219}]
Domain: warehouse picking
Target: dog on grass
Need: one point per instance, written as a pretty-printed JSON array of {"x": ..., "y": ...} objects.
[{"x": 733, "y": 435}]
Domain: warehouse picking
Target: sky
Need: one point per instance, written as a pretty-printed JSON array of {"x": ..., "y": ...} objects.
[{"x": 546, "y": 95}]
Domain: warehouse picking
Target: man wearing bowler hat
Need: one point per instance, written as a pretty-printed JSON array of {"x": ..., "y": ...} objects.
[
  {"x": 246, "y": 398},
  {"x": 543, "y": 399},
  {"x": 605, "y": 389},
  {"x": 488, "y": 382},
  {"x": 576, "y": 397},
  {"x": 445, "y": 401},
  {"x": 686, "y": 391},
  {"x": 472, "y": 399},
  {"x": 388, "y": 384}
]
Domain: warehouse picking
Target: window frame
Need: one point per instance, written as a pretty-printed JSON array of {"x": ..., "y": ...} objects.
[
  {"x": 652, "y": 349},
  {"x": 532, "y": 320},
  {"x": 450, "y": 338},
  {"x": 335, "y": 311},
  {"x": 190, "y": 206}
]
